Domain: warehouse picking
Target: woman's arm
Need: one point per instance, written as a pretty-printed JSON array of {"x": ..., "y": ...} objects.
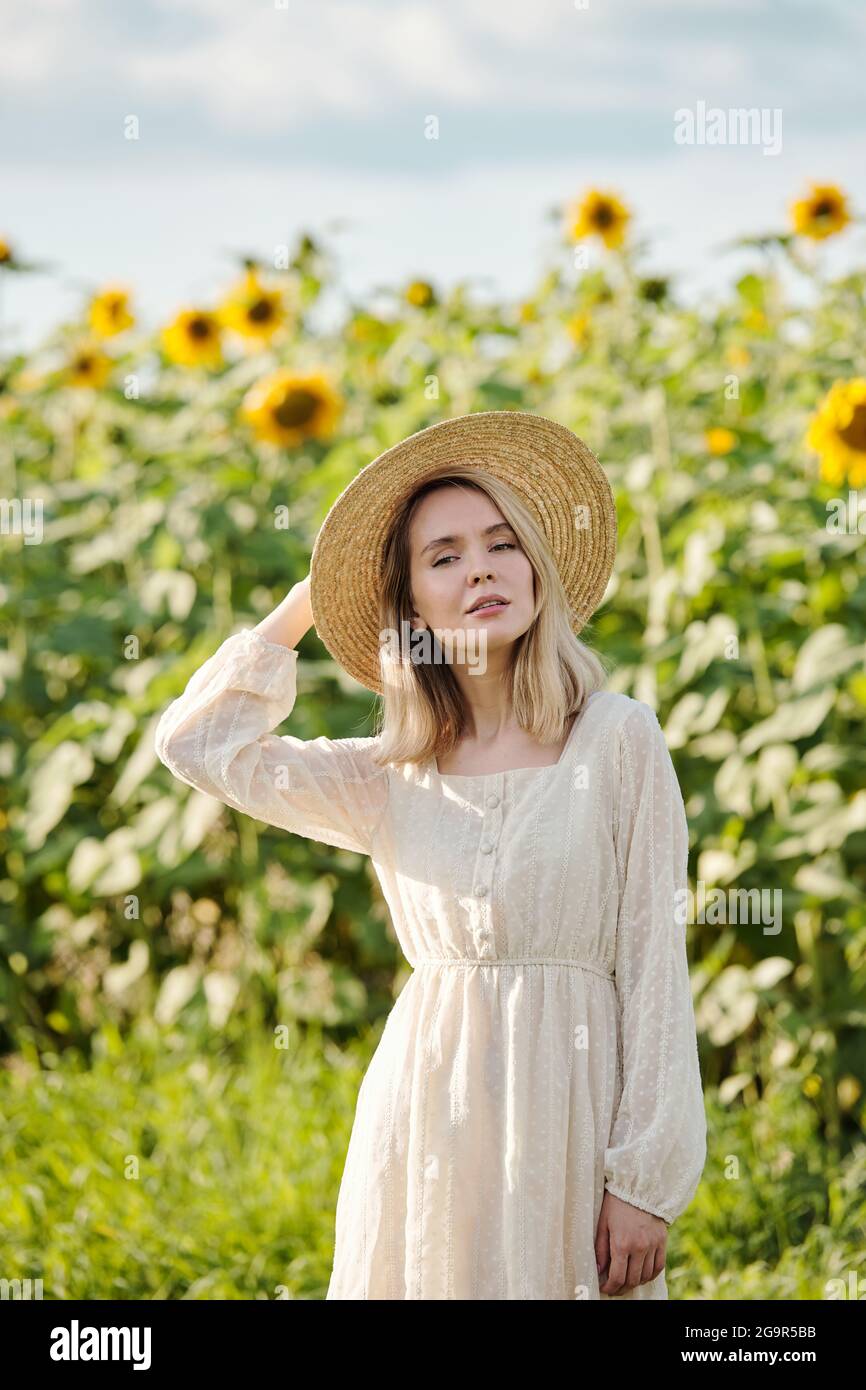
[
  {"x": 217, "y": 737},
  {"x": 290, "y": 619},
  {"x": 657, "y": 1146}
]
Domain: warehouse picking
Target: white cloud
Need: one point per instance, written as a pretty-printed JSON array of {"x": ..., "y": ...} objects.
[
  {"x": 38, "y": 40},
  {"x": 260, "y": 68}
]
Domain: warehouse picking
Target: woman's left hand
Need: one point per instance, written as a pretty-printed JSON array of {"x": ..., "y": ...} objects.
[{"x": 630, "y": 1245}]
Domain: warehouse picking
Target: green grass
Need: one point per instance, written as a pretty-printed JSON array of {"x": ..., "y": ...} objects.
[{"x": 171, "y": 1168}]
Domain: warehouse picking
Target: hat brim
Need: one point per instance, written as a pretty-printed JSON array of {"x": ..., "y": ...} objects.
[{"x": 556, "y": 475}]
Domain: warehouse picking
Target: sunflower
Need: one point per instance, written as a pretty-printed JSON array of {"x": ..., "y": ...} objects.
[
  {"x": 109, "y": 311},
  {"x": 5, "y": 252},
  {"x": 837, "y": 433},
  {"x": 192, "y": 339},
  {"x": 719, "y": 440},
  {"x": 88, "y": 366},
  {"x": 599, "y": 214},
  {"x": 579, "y": 328},
  {"x": 823, "y": 213},
  {"x": 252, "y": 310},
  {"x": 422, "y": 295},
  {"x": 287, "y": 408}
]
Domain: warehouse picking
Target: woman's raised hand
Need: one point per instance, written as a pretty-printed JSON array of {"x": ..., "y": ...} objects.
[{"x": 291, "y": 618}]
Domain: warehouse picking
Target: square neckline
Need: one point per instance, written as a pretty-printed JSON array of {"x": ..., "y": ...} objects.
[{"x": 510, "y": 771}]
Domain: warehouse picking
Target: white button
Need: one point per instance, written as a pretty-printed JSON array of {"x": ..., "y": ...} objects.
[
  {"x": 492, "y": 801},
  {"x": 482, "y": 932},
  {"x": 480, "y": 889},
  {"x": 487, "y": 849}
]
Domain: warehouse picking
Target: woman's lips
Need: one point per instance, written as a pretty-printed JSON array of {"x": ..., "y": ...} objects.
[{"x": 487, "y": 610}]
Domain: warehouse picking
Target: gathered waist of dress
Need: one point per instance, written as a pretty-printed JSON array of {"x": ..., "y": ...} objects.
[{"x": 468, "y": 961}]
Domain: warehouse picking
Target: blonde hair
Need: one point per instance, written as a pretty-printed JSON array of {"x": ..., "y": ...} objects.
[{"x": 423, "y": 712}]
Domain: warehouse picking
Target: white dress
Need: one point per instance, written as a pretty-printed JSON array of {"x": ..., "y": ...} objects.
[{"x": 544, "y": 1047}]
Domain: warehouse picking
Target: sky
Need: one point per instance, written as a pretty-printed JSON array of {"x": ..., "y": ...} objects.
[{"x": 259, "y": 119}]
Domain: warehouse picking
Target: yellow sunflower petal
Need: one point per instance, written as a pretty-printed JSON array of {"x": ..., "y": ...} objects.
[
  {"x": 598, "y": 214},
  {"x": 287, "y": 407},
  {"x": 421, "y": 294},
  {"x": 822, "y": 213},
  {"x": 837, "y": 432},
  {"x": 252, "y": 310},
  {"x": 88, "y": 366},
  {"x": 192, "y": 339},
  {"x": 109, "y": 311}
]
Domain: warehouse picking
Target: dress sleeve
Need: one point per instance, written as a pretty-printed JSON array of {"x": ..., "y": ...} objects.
[
  {"x": 216, "y": 736},
  {"x": 657, "y": 1145}
]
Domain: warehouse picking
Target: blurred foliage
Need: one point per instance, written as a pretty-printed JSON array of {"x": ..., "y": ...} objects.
[{"x": 173, "y": 515}]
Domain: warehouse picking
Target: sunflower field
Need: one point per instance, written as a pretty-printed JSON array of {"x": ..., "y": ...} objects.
[{"x": 189, "y": 996}]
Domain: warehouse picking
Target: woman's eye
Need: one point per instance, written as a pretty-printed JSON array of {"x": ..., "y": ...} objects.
[{"x": 508, "y": 545}]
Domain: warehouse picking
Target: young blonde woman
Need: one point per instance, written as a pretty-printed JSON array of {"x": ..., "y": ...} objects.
[{"x": 532, "y": 1120}]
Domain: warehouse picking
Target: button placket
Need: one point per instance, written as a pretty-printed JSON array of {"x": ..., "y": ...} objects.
[{"x": 490, "y": 831}]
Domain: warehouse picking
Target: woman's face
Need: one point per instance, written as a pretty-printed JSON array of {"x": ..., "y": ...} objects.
[{"x": 461, "y": 548}]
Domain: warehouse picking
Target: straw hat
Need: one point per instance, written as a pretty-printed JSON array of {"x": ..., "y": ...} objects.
[{"x": 554, "y": 473}]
